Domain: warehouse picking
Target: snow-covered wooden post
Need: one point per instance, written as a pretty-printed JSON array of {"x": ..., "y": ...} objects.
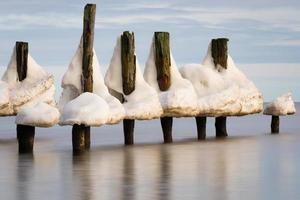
[
  {"x": 128, "y": 60},
  {"x": 219, "y": 52},
  {"x": 81, "y": 133},
  {"x": 163, "y": 69},
  {"x": 25, "y": 134}
]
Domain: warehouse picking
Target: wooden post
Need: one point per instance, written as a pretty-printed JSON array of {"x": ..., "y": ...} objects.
[
  {"x": 163, "y": 69},
  {"x": 25, "y": 134},
  {"x": 81, "y": 133},
  {"x": 201, "y": 127},
  {"x": 128, "y": 60},
  {"x": 275, "y": 124},
  {"x": 219, "y": 52},
  {"x": 25, "y": 138},
  {"x": 22, "y": 59},
  {"x": 220, "y": 125}
]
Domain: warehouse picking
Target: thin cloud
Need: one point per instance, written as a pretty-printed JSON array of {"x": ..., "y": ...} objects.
[{"x": 267, "y": 19}]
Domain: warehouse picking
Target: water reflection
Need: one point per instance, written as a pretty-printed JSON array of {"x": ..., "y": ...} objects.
[
  {"x": 165, "y": 174},
  {"x": 81, "y": 169},
  {"x": 128, "y": 180},
  {"x": 25, "y": 168}
]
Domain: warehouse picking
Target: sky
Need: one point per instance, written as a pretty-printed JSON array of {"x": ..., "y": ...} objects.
[{"x": 264, "y": 35}]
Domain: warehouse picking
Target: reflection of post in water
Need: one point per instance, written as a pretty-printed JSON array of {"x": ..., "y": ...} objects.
[
  {"x": 24, "y": 176},
  {"x": 81, "y": 174},
  {"x": 165, "y": 174},
  {"x": 128, "y": 190},
  {"x": 221, "y": 169}
]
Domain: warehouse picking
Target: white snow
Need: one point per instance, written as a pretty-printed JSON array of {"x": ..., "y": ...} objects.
[
  {"x": 4, "y": 98},
  {"x": 39, "y": 115},
  {"x": 143, "y": 102},
  {"x": 222, "y": 92},
  {"x": 180, "y": 100},
  {"x": 38, "y": 86},
  {"x": 87, "y": 109},
  {"x": 283, "y": 105},
  {"x": 71, "y": 85}
]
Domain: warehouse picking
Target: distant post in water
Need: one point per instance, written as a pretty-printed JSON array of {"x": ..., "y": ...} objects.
[
  {"x": 81, "y": 133},
  {"x": 275, "y": 124},
  {"x": 219, "y": 52},
  {"x": 128, "y": 60},
  {"x": 163, "y": 69},
  {"x": 25, "y": 134}
]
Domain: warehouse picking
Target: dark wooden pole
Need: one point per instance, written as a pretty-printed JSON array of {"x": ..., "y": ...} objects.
[
  {"x": 219, "y": 52},
  {"x": 25, "y": 138},
  {"x": 163, "y": 69},
  {"x": 22, "y": 59},
  {"x": 275, "y": 124},
  {"x": 220, "y": 125},
  {"x": 201, "y": 127},
  {"x": 80, "y": 133},
  {"x": 166, "y": 124},
  {"x": 128, "y": 60},
  {"x": 25, "y": 134}
]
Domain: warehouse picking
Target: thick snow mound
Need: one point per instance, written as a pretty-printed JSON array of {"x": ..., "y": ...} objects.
[
  {"x": 39, "y": 115},
  {"x": 71, "y": 85},
  {"x": 222, "y": 92},
  {"x": 143, "y": 102},
  {"x": 180, "y": 99},
  {"x": 283, "y": 105},
  {"x": 38, "y": 86},
  {"x": 87, "y": 109}
]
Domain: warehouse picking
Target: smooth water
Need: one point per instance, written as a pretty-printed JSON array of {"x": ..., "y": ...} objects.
[{"x": 249, "y": 164}]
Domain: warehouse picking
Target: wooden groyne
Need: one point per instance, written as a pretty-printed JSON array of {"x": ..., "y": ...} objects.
[{"x": 81, "y": 138}]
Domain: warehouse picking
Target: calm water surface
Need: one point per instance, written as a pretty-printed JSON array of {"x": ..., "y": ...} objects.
[{"x": 250, "y": 164}]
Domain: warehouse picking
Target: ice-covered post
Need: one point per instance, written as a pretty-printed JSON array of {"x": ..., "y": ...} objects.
[
  {"x": 128, "y": 60},
  {"x": 81, "y": 133},
  {"x": 163, "y": 69},
  {"x": 25, "y": 134},
  {"x": 275, "y": 124},
  {"x": 219, "y": 52}
]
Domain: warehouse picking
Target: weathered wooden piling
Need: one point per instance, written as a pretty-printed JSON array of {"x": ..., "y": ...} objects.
[
  {"x": 81, "y": 133},
  {"x": 220, "y": 124},
  {"x": 219, "y": 52},
  {"x": 163, "y": 69},
  {"x": 201, "y": 127},
  {"x": 25, "y": 134},
  {"x": 128, "y": 60},
  {"x": 275, "y": 124}
]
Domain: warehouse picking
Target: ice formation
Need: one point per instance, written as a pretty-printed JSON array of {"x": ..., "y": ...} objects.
[
  {"x": 39, "y": 115},
  {"x": 143, "y": 102},
  {"x": 222, "y": 92},
  {"x": 71, "y": 85},
  {"x": 283, "y": 105},
  {"x": 87, "y": 109},
  {"x": 38, "y": 86},
  {"x": 180, "y": 99}
]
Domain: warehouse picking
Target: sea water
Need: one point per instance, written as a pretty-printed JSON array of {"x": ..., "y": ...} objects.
[{"x": 249, "y": 164}]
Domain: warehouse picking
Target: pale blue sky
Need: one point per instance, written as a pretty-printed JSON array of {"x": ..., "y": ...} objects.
[{"x": 264, "y": 34}]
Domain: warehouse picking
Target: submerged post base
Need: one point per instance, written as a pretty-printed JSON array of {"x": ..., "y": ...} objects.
[
  {"x": 201, "y": 127},
  {"x": 275, "y": 124},
  {"x": 80, "y": 138},
  {"x": 25, "y": 135},
  {"x": 166, "y": 124},
  {"x": 220, "y": 124},
  {"x": 128, "y": 127}
]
